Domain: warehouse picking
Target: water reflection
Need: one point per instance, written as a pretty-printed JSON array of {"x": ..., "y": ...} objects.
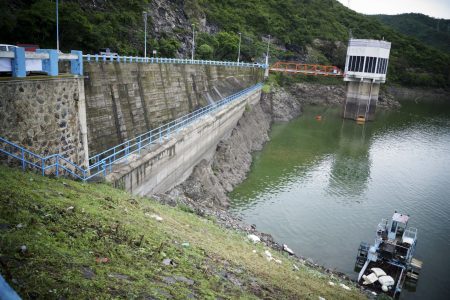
[{"x": 350, "y": 170}]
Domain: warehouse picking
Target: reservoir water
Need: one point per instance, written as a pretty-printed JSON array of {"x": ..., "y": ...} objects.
[{"x": 322, "y": 187}]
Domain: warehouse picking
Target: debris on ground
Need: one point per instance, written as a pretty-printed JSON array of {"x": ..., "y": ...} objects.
[
  {"x": 288, "y": 250},
  {"x": 254, "y": 238}
]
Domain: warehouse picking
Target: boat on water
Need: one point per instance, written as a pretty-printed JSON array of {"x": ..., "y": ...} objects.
[{"x": 389, "y": 262}]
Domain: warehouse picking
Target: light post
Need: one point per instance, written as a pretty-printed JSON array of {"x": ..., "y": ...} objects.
[
  {"x": 57, "y": 26},
  {"x": 145, "y": 34},
  {"x": 239, "y": 48},
  {"x": 193, "y": 42},
  {"x": 267, "y": 55},
  {"x": 266, "y": 72}
]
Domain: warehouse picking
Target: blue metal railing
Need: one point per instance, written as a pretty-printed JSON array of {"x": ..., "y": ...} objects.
[
  {"x": 102, "y": 163},
  {"x": 162, "y": 60},
  {"x": 6, "y": 292}
]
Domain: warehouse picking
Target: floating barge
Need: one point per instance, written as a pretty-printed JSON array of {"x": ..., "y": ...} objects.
[{"x": 388, "y": 263}]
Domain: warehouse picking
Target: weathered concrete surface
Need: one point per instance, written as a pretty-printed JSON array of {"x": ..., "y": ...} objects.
[
  {"x": 170, "y": 163},
  {"x": 362, "y": 98},
  {"x": 44, "y": 116},
  {"x": 127, "y": 99}
]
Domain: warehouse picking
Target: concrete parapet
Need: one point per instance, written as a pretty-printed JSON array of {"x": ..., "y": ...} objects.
[{"x": 164, "y": 166}]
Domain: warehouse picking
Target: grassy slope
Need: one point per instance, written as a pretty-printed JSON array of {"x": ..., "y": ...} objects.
[{"x": 63, "y": 245}]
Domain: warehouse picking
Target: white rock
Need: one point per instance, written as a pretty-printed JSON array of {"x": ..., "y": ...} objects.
[
  {"x": 156, "y": 217},
  {"x": 295, "y": 267},
  {"x": 70, "y": 208},
  {"x": 373, "y": 293},
  {"x": 344, "y": 287},
  {"x": 321, "y": 298},
  {"x": 331, "y": 283},
  {"x": 278, "y": 261},
  {"x": 254, "y": 238},
  {"x": 254, "y": 251},
  {"x": 287, "y": 249},
  {"x": 268, "y": 255}
]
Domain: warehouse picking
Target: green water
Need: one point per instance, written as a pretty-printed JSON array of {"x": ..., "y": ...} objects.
[{"x": 322, "y": 186}]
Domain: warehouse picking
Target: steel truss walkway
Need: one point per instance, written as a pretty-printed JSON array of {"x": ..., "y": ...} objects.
[{"x": 306, "y": 69}]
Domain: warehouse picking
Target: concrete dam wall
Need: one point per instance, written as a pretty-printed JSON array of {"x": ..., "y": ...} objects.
[
  {"x": 78, "y": 117},
  {"x": 127, "y": 99},
  {"x": 167, "y": 165}
]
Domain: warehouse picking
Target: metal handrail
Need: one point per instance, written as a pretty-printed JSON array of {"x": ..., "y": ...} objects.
[
  {"x": 163, "y": 60},
  {"x": 101, "y": 164}
]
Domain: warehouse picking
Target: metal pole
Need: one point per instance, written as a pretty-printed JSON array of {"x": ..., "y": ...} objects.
[
  {"x": 57, "y": 26},
  {"x": 193, "y": 41},
  {"x": 145, "y": 34},
  {"x": 239, "y": 49}
]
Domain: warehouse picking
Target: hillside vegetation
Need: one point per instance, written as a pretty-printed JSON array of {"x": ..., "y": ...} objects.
[
  {"x": 61, "y": 239},
  {"x": 431, "y": 31},
  {"x": 312, "y": 31}
]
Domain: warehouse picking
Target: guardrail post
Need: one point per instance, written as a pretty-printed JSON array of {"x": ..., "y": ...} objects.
[
  {"x": 76, "y": 65},
  {"x": 139, "y": 145},
  {"x": 18, "y": 67},
  {"x": 57, "y": 165},
  {"x": 43, "y": 166},
  {"x": 104, "y": 167},
  {"x": 23, "y": 159},
  {"x": 50, "y": 65}
]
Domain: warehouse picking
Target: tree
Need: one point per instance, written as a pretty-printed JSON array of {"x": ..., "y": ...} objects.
[{"x": 205, "y": 51}]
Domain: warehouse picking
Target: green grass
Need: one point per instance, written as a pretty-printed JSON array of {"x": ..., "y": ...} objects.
[{"x": 63, "y": 246}]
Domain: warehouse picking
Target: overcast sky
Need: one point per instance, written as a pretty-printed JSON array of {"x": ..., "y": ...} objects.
[{"x": 434, "y": 8}]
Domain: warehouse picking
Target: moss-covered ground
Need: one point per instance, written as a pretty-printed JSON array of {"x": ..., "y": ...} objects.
[{"x": 61, "y": 239}]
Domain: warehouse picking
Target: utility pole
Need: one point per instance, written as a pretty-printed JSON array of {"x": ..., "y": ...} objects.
[
  {"x": 193, "y": 42},
  {"x": 145, "y": 34},
  {"x": 57, "y": 26},
  {"x": 239, "y": 48}
]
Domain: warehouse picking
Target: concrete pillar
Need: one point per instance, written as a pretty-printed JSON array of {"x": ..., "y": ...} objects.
[
  {"x": 76, "y": 65},
  {"x": 50, "y": 65},
  {"x": 83, "y": 121},
  {"x": 18, "y": 67},
  {"x": 361, "y": 102}
]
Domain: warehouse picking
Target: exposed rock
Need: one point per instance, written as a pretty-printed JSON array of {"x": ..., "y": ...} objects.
[
  {"x": 311, "y": 93},
  {"x": 282, "y": 105},
  {"x": 210, "y": 181},
  {"x": 174, "y": 18}
]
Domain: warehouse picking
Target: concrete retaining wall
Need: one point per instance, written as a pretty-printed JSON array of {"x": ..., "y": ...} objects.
[
  {"x": 46, "y": 116},
  {"x": 127, "y": 99},
  {"x": 169, "y": 164}
]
